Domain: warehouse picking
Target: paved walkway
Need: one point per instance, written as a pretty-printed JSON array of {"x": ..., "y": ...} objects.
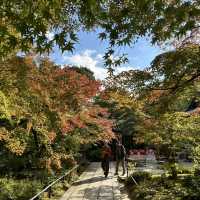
[{"x": 92, "y": 185}]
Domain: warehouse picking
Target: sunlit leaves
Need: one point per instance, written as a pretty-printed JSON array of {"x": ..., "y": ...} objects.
[
  {"x": 92, "y": 122},
  {"x": 4, "y": 134},
  {"x": 47, "y": 111},
  {"x": 170, "y": 75},
  {"x": 15, "y": 141},
  {"x": 4, "y": 110},
  {"x": 28, "y": 24}
]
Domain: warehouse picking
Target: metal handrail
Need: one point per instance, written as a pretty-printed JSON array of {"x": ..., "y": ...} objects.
[
  {"x": 128, "y": 159},
  {"x": 53, "y": 183}
]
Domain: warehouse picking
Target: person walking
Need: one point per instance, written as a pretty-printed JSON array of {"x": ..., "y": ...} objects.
[
  {"x": 120, "y": 157},
  {"x": 106, "y": 156}
]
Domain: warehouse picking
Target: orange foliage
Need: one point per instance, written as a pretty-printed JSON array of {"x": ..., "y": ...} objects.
[
  {"x": 63, "y": 88},
  {"x": 99, "y": 116},
  {"x": 105, "y": 95},
  {"x": 51, "y": 136},
  {"x": 53, "y": 100},
  {"x": 155, "y": 95},
  {"x": 92, "y": 115}
]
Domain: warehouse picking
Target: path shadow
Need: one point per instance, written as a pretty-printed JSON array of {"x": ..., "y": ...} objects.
[
  {"x": 101, "y": 193},
  {"x": 89, "y": 180}
]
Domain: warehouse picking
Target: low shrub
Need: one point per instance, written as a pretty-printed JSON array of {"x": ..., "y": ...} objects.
[
  {"x": 11, "y": 189},
  {"x": 138, "y": 177},
  {"x": 174, "y": 169},
  {"x": 163, "y": 188}
]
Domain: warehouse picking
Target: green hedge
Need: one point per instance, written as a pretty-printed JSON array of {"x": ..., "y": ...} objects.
[{"x": 163, "y": 188}]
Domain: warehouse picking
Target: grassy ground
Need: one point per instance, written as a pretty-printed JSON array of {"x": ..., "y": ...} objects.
[{"x": 165, "y": 186}]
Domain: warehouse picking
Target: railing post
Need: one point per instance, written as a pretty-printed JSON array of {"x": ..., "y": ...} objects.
[
  {"x": 49, "y": 192},
  {"x": 127, "y": 167},
  {"x": 63, "y": 179}
]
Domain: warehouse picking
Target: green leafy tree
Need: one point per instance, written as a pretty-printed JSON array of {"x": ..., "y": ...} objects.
[{"x": 25, "y": 24}]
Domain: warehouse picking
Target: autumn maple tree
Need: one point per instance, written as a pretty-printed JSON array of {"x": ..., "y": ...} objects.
[{"x": 47, "y": 112}]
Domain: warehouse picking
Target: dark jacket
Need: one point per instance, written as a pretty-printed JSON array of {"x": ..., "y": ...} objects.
[{"x": 120, "y": 152}]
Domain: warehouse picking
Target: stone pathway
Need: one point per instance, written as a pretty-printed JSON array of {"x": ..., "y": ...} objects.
[{"x": 92, "y": 185}]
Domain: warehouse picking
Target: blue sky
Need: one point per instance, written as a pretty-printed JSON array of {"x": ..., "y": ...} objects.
[{"x": 89, "y": 51}]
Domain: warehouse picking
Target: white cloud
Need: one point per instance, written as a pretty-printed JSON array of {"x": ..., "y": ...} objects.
[
  {"x": 90, "y": 59},
  {"x": 123, "y": 68},
  {"x": 50, "y": 35},
  {"x": 93, "y": 61},
  {"x": 99, "y": 56}
]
